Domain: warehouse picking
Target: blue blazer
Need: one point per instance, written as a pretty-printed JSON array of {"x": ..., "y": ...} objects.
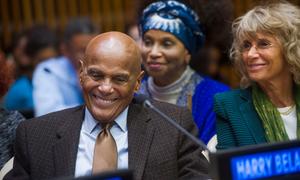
[{"x": 238, "y": 124}]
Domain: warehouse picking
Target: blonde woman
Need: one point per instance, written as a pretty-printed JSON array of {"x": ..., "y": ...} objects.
[{"x": 266, "y": 51}]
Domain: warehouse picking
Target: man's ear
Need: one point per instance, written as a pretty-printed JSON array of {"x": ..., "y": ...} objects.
[
  {"x": 139, "y": 81},
  {"x": 81, "y": 71}
]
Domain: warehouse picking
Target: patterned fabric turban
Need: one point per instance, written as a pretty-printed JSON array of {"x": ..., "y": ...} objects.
[{"x": 176, "y": 18}]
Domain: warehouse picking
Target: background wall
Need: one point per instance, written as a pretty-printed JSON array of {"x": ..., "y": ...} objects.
[{"x": 17, "y": 15}]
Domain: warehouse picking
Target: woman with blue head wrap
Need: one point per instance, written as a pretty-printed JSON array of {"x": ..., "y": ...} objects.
[{"x": 171, "y": 34}]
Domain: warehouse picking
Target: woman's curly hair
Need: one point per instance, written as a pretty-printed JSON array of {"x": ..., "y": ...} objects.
[{"x": 281, "y": 20}]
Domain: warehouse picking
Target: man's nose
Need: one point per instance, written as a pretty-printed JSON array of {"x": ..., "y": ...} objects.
[{"x": 106, "y": 86}]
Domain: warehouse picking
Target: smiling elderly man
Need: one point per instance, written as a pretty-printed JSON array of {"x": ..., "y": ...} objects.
[{"x": 111, "y": 131}]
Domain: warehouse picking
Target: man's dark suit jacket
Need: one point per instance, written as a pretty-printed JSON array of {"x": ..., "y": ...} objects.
[{"x": 46, "y": 147}]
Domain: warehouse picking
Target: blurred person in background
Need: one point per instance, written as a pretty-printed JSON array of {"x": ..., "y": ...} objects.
[
  {"x": 42, "y": 44},
  {"x": 9, "y": 120},
  {"x": 172, "y": 34},
  {"x": 265, "y": 50},
  {"x": 55, "y": 81},
  {"x": 132, "y": 29},
  {"x": 213, "y": 59},
  {"x": 31, "y": 47}
]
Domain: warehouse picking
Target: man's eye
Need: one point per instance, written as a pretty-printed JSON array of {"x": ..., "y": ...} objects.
[
  {"x": 94, "y": 75},
  {"x": 120, "y": 80}
]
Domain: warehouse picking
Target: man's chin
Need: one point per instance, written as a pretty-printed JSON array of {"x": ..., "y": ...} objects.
[{"x": 104, "y": 118}]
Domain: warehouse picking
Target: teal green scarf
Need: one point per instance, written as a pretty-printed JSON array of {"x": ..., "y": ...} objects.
[{"x": 271, "y": 119}]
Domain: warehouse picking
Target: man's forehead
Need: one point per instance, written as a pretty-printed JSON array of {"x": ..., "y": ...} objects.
[
  {"x": 116, "y": 71},
  {"x": 113, "y": 52}
]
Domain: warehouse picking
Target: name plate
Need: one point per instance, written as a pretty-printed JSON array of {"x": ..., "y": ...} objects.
[
  {"x": 276, "y": 161},
  {"x": 266, "y": 164}
]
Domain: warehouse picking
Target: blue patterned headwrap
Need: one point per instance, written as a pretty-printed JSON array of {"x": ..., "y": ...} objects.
[{"x": 176, "y": 18}]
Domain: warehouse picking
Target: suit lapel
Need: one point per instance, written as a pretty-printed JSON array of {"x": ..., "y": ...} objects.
[
  {"x": 140, "y": 135},
  {"x": 65, "y": 150},
  {"x": 251, "y": 118}
]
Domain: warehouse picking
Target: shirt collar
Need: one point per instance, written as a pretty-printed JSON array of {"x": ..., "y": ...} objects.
[
  {"x": 121, "y": 120},
  {"x": 90, "y": 124}
]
